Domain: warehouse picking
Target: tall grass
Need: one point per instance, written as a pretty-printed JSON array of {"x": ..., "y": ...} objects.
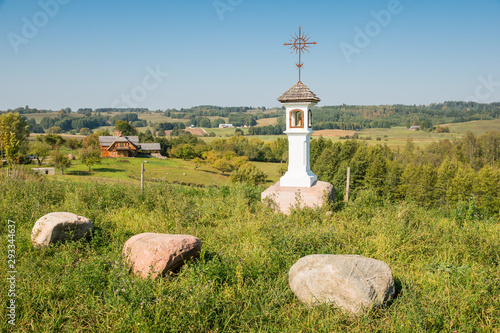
[{"x": 445, "y": 263}]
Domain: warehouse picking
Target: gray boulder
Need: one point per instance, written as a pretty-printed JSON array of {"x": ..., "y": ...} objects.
[
  {"x": 154, "y": 255},
  {"x": 55, "y": 227},
  {"x": 353, "y": 283}
]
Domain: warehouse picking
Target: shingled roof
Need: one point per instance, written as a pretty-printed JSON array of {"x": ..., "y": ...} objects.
[
  {"x": 150, "y": 146},
  {"x": 299, "y": 93},
  {"x": 107, "y": 141}
]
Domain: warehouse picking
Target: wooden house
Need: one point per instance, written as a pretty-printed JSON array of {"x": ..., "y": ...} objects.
[{"x": 127, "y": 146}]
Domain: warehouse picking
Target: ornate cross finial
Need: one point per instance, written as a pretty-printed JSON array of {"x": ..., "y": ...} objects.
[{"x": 300, "y": 44}]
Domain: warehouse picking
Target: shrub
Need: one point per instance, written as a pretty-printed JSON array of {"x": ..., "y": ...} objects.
[{"x": 248, "y": 174}]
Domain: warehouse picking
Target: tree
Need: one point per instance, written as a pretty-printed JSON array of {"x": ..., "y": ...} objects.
[
  {"x": 73, "y": 144},
  {"x": 249, "y": 174},
  {"x": 54, "y": 140},
  {"x": 487, "y": 189},
  {"x": 223, "y": 165},
  {"x": 91, "y": 141},
  {"x": 60, "y": 160},
  {"x": 126, "y": 128},
  {"x": 14, "y": 130},
  {"x": 184, "y": 151},
  {"x": 90, "y": 156},
  {"x": 55, "y": 130},
  {"x": 40, "y": 150},
  {"x": 10, "y": 146},
  {"x": 461, "y": 186},
  {"x": 85, "y": 131},
  {"x": 198, "y": 162}
]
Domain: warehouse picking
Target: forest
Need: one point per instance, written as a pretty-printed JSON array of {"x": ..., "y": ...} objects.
[{"x": 345, "y": 117}]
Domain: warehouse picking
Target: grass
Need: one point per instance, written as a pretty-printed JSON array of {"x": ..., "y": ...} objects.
[
  {"x": 168, "y": 170},
  {"x": 397, "y": 136},
  {"x": 476, "y": 127},
  {"x": 446, "y": 269}
]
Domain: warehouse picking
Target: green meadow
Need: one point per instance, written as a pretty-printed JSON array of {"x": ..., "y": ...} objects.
[
  {"x": 445, "y": 264},
  {"x": 156, "y": 170}
]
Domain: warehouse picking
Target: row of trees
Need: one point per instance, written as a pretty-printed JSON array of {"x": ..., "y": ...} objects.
[
  {"x": 444, "y": 172},
  {"x": 347, "y": 117},
  {"x": 14, "y": 131},
  {"x": 354, "y": 117}
]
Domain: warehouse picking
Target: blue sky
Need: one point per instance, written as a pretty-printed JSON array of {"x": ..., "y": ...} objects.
[{"x": 230, "y": 52}]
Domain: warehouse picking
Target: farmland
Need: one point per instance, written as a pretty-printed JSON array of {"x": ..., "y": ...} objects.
[{"x": 156, "y": 170}]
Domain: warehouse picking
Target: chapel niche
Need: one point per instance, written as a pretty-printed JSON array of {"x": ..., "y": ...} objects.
[{"x": 296, "y": 119}]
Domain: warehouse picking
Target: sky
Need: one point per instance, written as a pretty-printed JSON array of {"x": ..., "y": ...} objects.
[{"x": 162, "y": 54}]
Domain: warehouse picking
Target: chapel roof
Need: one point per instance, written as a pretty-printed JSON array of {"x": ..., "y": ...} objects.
[{"x": 299, "y": 93}]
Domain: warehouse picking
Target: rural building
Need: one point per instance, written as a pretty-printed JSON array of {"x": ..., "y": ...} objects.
[
  {"x": 45, "y": 171},
  {"x": 226, "y": 126},
  {"x": 127, "y": 146},
  {"x": 415, "y": 128}
]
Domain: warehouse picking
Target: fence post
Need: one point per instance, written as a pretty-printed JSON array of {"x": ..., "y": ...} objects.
[
  {"x": 142, "y": 177},
  {"x": 348, "y": 185}
]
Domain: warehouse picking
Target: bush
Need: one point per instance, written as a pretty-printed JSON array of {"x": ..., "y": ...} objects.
[{"x": 248, "y": 174}]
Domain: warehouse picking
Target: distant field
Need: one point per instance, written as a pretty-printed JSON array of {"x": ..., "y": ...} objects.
[
  {"x": 338, "y": 133},
  {"x": 64, "y": 136},
  {"x": 271, "y": 169},
  {"x": 226, "y": 119},
  {"x": 160, "y": 118},
  {"x": 397, "y": 136},
  {"x": 224, "y": 132},
  {"x": 168, "y": 170},
  {"x": 196, "y": 131},
  {"x": 476, "y": 127},
  {"x": 267, "y": 121}
]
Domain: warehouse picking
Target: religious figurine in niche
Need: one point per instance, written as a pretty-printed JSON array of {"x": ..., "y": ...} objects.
[
  {"x": 299, "y": 119},
  {"x": 296, "y": 119}
]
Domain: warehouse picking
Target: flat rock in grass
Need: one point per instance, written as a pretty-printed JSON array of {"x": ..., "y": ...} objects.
[
  {"x": 154, "y": 255},
  {"x": 61, "y": 226},
  {"x": 352, "y": 283}
]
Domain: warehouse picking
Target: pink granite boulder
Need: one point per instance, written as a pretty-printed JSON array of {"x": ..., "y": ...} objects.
[
  {"x": 55, "y": 227},
  {"x": 154, "y": 255}
]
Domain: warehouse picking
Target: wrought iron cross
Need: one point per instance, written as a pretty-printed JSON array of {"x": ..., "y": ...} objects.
[{"x": 299, "y": 44}]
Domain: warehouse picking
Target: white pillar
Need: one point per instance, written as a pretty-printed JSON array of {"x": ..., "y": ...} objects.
[{"x": 299, "y": 131}]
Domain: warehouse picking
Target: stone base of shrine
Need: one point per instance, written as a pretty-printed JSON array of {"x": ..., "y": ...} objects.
[{"x": 287, "y": 198}]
